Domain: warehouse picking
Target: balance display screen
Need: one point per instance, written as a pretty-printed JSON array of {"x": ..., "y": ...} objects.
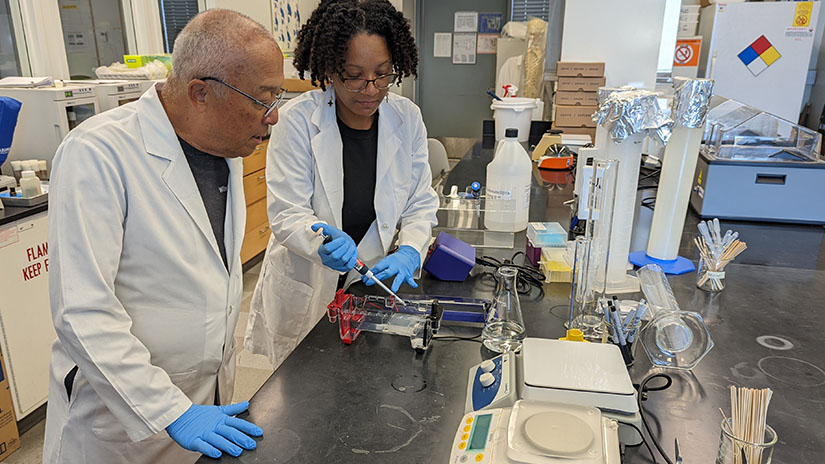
[{"x": 479, "y": 438}]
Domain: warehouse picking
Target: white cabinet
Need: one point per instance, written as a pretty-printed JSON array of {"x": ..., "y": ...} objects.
[{"x": 26, "y": 329}]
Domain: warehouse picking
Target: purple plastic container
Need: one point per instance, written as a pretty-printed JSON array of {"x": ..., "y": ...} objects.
[{"x": 450, "y": 258}]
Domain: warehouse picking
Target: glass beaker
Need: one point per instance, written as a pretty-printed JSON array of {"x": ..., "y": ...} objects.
[
  {"x": 710, "y": 277},
  {"x": 504, "y": 327},
  {"x": 731, "y": 448}
]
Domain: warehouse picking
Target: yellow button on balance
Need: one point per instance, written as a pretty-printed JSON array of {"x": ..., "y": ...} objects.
[
  {"x": 462, "y": 445},
  {"x": 467, "y": 428},
  {"x": 469, "y": 420},
  {"x": 479, "y": 457},
  {"x": 465, "y": 436}
]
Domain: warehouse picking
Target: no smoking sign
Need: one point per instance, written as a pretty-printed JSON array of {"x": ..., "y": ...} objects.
[
  {"x": 687, "y": 52},
  {"x": 683, "y": 54}
]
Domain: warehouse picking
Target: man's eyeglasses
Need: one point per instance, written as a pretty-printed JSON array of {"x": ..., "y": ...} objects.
[
  {"x": 269, "y": 107},
  {"x": 358, "y": 84}
]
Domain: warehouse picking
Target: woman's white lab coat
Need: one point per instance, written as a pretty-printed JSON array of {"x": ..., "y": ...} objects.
[
  {"x": 305, "y": 185},
  {"x": 141, "y": 300}
]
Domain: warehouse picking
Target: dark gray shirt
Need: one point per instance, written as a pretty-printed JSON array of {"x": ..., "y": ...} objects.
[
  {"x": 211, "y": 173},
  {"x": 360, "y": 160}
]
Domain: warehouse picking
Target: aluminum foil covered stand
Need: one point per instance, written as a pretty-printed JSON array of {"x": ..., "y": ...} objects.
[
  {"x": 628, "y": 116},
  {"x": 690, "y": 107}
]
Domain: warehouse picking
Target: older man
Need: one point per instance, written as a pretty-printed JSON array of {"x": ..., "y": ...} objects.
[{"x": 146, "y": 222}]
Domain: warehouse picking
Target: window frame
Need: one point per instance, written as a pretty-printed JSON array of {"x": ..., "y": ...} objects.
[{"x": 530, "y": 9}]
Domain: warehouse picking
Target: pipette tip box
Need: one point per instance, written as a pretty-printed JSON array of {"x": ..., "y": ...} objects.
[{"x": 546, "y": 234}]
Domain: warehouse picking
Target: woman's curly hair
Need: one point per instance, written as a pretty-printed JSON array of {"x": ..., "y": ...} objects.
[{"x": 323, "y": 40}]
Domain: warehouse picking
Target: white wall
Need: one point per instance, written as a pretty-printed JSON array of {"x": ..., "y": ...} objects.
[
  {"x": 625, "y": 35},
  {"x": 259, "y": 10},
  {"x": 305, "y": 7}
]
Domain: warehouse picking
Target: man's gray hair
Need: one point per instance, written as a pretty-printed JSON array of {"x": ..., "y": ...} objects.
[{"x": 213, "y": 45}]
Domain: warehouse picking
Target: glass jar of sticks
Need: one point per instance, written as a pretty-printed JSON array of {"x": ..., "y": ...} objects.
[
  {"x": 746, "y": 437},
  {"x": 715, "y": 252}
]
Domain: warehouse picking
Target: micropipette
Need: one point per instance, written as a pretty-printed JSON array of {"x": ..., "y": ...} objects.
[
  {"x": 362, "y": 269},
  {"x": 365, "y": 271}
]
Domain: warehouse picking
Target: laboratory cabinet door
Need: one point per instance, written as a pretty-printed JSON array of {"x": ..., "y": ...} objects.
[
  {"x": 26, "y": 329},
  {"x": 453, "y": 97}
]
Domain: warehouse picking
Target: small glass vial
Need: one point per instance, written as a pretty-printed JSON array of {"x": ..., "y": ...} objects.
[
  {"x": 504, "y": 327},
  {"x": 30, "y": 184},
  {"x": 709, "y": 276}
]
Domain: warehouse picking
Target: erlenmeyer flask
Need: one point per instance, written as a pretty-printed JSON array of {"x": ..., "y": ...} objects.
[{"x": 504, "y": 328}]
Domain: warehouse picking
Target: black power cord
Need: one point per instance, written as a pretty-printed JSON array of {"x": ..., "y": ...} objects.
[
  {"x": 527, "y": 277},
  {"x": 642, "y": 394},
  {"x": 644, "y": 440},
  {"x": 453, "y": 338}
]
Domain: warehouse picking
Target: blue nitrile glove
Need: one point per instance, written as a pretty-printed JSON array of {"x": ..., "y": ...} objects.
[
  {"x": 340, "y": 253},
  {"x": 402, "y": 264},
  {"x": 212, "y": 429}
]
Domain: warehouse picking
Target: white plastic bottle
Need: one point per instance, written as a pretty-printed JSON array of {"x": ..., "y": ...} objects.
[
  {"x": 30, "y": 184},
  {"x": 508, "y": 186}
]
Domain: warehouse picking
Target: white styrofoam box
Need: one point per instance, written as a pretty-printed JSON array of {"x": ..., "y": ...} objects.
[
  {"x": 686, "y": 29},
  {"x": 690, "y": 9}
]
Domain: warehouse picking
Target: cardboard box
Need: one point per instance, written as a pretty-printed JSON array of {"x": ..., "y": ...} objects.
[
  {"x": 577, "y": 98},
  {"x": 580, "y": 84},
  {"x": 591, "y": 131},
  {"x": 571, "y": 69},
  {"x": 9, "y": 438},
  {"x": 574, "y": 116}
]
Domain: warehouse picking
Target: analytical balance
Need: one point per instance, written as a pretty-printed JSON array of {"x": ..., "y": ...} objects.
[
  {"x": 537, "y": 432},
  {"x": 578, "y": 374}
]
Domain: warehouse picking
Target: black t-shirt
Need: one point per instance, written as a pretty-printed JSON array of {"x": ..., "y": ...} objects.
[
  {"x": 360, "y": 158},
  {"x": 211, "y": 173}
]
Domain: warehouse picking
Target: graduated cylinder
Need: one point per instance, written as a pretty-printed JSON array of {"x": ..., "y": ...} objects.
[
  {"x": 629, "y": 155},
  {"x": 678, "y": 167},
  {"x": 691, "y": 101}
]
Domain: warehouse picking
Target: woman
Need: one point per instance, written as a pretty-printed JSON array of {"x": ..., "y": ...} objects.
[{"x": 350, "y": 159}]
